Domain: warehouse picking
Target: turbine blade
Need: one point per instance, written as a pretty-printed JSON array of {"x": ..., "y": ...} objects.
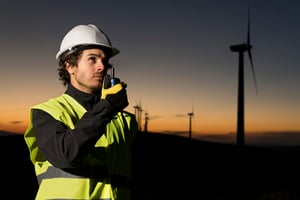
[
  {"x": 193, "y": 109},
  {"x": 253, "y": 72},
  {"x": 248, "y": 29},
  {"x": 249, "y": 50}
]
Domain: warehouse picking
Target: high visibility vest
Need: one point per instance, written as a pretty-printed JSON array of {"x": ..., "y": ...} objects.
[{"x": 109, "y": 162}]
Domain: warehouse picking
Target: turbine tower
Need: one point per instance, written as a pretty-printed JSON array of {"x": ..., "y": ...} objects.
[
  {"x": 138, "y": 113},
  {"x": 146, "y": 122},
  {"x": 191, "y": 115},
  {"x": 241, "y": 49}
]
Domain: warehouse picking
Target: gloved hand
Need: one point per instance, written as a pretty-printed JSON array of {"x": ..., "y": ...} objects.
[
  {"x": 115, "y": 95},
  {"x": 113, "y": 100}
]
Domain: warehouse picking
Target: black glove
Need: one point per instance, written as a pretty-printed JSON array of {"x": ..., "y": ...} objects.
[{"x": 115, "y": 95}]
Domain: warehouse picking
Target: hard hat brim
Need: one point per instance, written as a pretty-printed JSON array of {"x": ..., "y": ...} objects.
[{"x": 67, "y": 51}]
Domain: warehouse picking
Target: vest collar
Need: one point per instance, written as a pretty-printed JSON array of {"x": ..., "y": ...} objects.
[{"x": 85, "y": 99}]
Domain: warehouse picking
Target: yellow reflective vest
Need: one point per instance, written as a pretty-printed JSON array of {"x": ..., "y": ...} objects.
[{"x": 112, "y": 150}]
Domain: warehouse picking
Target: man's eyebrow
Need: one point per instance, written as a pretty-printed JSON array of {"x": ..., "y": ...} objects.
[
  {"x": 101, "y": 56},
  {"x": 94, "y": 54}
]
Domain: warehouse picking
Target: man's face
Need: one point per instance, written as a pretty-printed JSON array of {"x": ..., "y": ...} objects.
[{"x": 91, "y": 68}]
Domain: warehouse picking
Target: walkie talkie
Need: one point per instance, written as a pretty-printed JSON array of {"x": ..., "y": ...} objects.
[{"x": 113, "y": 79}]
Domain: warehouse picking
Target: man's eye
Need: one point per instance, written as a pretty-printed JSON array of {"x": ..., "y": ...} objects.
[{"x": 92, "y": 59}]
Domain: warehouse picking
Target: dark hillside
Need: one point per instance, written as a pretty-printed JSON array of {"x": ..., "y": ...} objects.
[
  {"x": 17, "y": 173},
  {"x": 173, "y": 167}
]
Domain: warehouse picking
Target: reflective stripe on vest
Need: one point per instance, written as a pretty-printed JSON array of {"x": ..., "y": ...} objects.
[
  {"x": 95, "y": 172},
  {"x": 91, "y": 183}
]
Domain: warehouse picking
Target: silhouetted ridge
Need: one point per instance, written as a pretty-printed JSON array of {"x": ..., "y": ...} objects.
[
  {"x": 174, "y": 167},
  {"x": 6, "y": 133},
  {"x": 17, "y": 172}
]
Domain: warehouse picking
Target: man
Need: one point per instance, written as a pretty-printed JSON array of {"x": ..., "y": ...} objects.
[{"x": 80, "y": 142}]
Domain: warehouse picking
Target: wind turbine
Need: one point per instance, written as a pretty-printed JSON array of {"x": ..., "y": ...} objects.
[
  {"x": 138, "y": 113},
  {"x": 241, "y": 49},
  {"x": 146, "y": 122},
  {"x": 191, "y": 115}
]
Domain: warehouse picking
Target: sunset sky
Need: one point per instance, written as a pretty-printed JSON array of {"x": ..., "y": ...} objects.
[{"x": 174, "y": 56}]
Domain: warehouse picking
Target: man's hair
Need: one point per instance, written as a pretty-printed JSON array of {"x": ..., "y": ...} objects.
[{"x": 72, "y": 59}]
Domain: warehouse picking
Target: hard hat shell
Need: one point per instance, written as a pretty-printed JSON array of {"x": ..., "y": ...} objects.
[{"x": 84, "y": 35}]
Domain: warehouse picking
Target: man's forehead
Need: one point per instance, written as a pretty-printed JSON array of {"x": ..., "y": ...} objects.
[{"x": 94, "y": 52}]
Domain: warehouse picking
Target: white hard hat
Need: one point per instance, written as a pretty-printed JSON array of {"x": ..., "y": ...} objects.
[{"x": 84, "y": 35}]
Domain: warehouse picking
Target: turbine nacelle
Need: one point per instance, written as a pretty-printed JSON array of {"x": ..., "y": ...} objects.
[
  {"x": 191, "y": 114},
  {"x": 241, "y": 47}
]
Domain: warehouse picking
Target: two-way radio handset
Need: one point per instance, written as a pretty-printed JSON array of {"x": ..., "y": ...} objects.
[
  {"x": 113, "y": 79},
  {"x": 111, "y": 85}
]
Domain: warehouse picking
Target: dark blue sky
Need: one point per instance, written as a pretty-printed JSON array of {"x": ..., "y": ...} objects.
[{"x": 174, "y": 55}]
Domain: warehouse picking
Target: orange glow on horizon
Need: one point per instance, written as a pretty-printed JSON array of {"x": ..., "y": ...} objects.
[{"x": 17, "y": 122}]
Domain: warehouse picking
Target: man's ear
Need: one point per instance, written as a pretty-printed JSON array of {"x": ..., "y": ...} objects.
[{"x": 70, "y": 68}]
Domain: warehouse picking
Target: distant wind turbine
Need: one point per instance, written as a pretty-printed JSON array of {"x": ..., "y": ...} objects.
[
  {"x": 191, "y": 116},
  {"x": 241, "y": 48},
  {"x": 147, "y": 118},
  {"x": 146, "y": 122},
  {"x": 138, "y": 113}
]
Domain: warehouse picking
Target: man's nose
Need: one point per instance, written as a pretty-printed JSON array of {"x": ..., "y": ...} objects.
[{"x": 100, "y": 65}]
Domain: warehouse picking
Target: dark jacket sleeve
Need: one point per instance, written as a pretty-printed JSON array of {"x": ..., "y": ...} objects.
[{"x": 64, "y": 147}]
